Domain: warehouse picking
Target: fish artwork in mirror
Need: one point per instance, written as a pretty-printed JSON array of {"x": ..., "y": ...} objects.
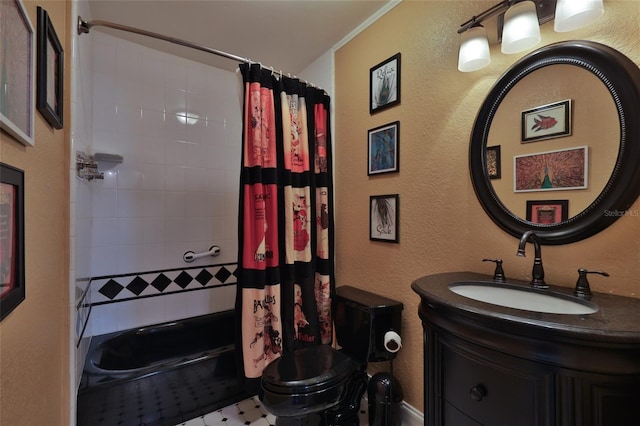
[{"x": 611, "y": 170}]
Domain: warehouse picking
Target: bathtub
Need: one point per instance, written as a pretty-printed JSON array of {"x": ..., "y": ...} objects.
[
  {"x": 193, "y": 359},
  {"x": 137, "y": 352}
]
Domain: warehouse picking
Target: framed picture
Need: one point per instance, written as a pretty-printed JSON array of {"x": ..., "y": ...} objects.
[
  {"x": 50, "y": 71},
  {"x": 11, "y": 239},
  {"x": 383, "y": 218},
  {"x": 384, "y": 149},
  {"x": 562, "y": 169},
  {"x": 547, "y": 212},
  {"x": 385, "y": 84},
  {"x": 547, "y": 121},
  {"x": 494, "y": 167},
  {"x": 17, "y": 78}
]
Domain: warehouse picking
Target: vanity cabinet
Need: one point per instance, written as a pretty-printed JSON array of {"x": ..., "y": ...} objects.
[
  {"x": 477, "y": 386},
  {"x": 488, "y": 365}
]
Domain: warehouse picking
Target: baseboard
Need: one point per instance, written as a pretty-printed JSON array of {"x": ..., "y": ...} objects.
[{"x": 411, "y": 416}]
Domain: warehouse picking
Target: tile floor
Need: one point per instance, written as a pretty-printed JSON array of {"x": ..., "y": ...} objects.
[
  {"x": 197, "y": 394},
  {"x": 246, "y": 412},
  {"x": 249, "y": 412},
  {"x": 162, "y": 399}
]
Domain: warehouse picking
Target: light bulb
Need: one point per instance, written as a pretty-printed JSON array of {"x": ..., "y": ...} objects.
[
  {"x": 574, "y": 14},
  {"x": 474, "y": 50},
  {"x": 521, "y": 29}
]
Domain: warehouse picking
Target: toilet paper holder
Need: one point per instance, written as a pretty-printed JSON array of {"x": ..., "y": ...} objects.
[{"x": 392, "y": 341}]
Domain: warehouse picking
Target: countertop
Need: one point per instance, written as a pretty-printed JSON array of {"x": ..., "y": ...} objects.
[{"x": 616, "y": 321}]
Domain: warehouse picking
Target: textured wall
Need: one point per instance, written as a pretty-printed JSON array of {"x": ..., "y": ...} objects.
[
  {"x": 34, "y": 338},
  {"x": 442, "y": 226}
]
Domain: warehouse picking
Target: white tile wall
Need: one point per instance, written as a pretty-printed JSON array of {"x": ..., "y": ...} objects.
[
  {"x": 155, "y": 310},
  {"x": 177, "y": 188}
]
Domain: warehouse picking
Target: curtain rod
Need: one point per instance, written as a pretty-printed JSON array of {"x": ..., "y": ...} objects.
[{"x": 85, "y": 26}]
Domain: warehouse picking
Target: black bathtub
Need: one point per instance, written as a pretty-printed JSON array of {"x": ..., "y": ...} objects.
[{"x": 162, "y": 374}]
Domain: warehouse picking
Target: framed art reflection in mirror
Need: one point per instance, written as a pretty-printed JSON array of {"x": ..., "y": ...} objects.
[{"x": 547, "y": 211}]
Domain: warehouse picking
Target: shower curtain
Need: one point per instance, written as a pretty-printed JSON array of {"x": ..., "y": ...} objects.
[{"x": 285, "y": 229}]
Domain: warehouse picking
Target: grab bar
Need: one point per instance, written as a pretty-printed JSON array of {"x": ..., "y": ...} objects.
[{"x": 191, "y": 256}]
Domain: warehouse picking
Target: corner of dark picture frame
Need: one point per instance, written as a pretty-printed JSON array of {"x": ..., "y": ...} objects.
[
  {"x": 46, "y": 38},
  {"x": 12, "y": 240}
]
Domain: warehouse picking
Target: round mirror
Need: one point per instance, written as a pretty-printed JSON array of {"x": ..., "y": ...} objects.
[{"x": 556, "y": 144}]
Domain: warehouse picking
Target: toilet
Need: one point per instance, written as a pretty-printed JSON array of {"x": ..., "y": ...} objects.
[{"x": 319, "y": 385}]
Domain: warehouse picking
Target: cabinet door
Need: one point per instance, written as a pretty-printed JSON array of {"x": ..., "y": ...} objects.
[
  {"x": 493, "y": 388},
  {"x": 594, "y": 399},
  {"x": 456, "y": 417}
]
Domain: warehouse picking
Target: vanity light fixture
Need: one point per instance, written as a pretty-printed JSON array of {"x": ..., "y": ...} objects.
[
  {"x": 519, "y": 26},
  {"x": 521, "y": 30},
  {"x": 574, "y": 14},
  {"x": 474, "y": 49}
]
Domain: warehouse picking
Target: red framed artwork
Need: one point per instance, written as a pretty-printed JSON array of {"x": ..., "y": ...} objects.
[
  {"x": 12, "y": 281},
  {"x": 547, "y": 212},
  {"x": 547, "y": 121},
  {"x": 561, "y": 169}
]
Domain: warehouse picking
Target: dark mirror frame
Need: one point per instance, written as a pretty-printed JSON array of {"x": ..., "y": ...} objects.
[{"x": 621, "y": 76}]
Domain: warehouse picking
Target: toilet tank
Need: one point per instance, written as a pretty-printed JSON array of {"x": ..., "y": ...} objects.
[{"x": 361, "y": 320}]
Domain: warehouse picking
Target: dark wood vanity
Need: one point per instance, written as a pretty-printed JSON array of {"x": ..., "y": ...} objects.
[{"x": 490, "y": 365}]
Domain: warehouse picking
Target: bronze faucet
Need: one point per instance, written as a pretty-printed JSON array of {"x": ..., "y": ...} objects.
[{"x": 537, "y": 273}]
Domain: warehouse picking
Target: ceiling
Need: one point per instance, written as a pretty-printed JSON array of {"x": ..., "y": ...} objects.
[{"x": 285, "y": 34}]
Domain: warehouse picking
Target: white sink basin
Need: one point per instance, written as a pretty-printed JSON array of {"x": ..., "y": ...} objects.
[{"x": 523, "y": 298}]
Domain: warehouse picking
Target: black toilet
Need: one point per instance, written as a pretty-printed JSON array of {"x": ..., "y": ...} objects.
[{"x": 319, "y": 385}]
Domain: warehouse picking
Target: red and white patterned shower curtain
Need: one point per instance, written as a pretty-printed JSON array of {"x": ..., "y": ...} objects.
[{"x": 285, "y": 230}]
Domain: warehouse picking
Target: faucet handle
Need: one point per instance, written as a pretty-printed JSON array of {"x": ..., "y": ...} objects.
[
  {"x": 498, "y": 274},
  {"x": 582, "y": 285}
]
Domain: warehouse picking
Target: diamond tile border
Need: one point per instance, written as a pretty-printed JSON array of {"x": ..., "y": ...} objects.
[{"x": 116, "y": 288}]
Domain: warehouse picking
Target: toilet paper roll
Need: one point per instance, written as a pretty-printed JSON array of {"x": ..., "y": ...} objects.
[{"x": 392, "y": 341}]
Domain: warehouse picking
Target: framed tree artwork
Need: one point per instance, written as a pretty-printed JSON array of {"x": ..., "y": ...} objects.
[
  {"x": 383, "y": 149},
  {"x": 384, "y": 84},
  {"x": 383, "y": 218}
]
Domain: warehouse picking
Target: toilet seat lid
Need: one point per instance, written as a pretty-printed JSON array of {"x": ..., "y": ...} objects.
[{"x": 306, "y": 370}]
